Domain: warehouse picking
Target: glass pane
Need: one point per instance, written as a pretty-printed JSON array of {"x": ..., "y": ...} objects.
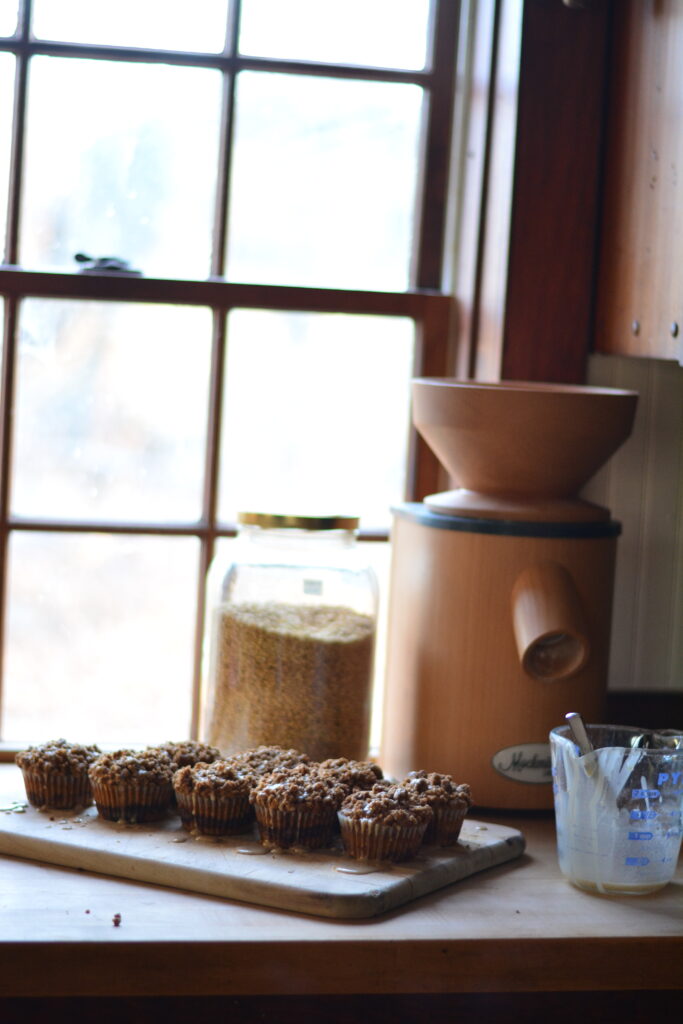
[
  {"x": 100, "y": 638},
  {"x": 316, "y": 414},
  {"x": 111, "y": 411},
  {"x": 324, "y": 181},
  {"x": 9, "y": 12},
  {"x": 169, "y": 25},
  {"x": 6, "y": 105},
  {"x": 127, "y": 170},
  {"x": 384, "y": 33}
]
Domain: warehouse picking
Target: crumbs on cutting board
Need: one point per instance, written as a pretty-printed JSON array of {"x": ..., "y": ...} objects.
[{"x": 15, "y": 807}]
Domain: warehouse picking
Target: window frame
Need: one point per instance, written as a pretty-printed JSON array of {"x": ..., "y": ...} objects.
[{"x": 426, "y": 301}]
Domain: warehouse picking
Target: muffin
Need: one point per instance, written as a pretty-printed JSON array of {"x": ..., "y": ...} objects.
[
  {"x": 56, "y": 774},
  {"x": 386, "y": 822},
  {"x": 133, "y": 785},
  {"x": 263, "y": 760},
  {"x": 297, "y": 806},
  {"x": 354, "y": 774},
  {"x": 213, "y": 798},
  {"x": 449, "y": 802},
  {"x": 189, "y": 752}
]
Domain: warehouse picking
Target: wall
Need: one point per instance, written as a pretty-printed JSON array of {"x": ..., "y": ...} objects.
[
  {"x": 643, "y": 486},
  {"x": 640, "y": 300}
]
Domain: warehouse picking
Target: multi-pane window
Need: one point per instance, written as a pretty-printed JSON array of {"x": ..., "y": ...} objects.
[{"x": 270, "y": 178}]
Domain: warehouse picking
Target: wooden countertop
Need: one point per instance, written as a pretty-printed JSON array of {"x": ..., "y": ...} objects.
[{"x": 514, "y": 928}]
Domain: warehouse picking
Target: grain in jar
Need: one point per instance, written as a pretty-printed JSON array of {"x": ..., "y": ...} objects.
[{"x": 291, "y": 634}]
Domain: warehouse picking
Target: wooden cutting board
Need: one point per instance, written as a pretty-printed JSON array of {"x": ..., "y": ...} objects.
[{"x": 326, "y": 882}]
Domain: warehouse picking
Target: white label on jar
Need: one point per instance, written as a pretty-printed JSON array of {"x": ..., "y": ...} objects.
[
  {"x": 313, "y": 587},
  {"x": 526, "y": 762}
]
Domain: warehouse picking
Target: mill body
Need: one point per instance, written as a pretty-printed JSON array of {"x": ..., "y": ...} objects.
[
  {"x": 470, "y": 693},
  {"x": 501, "y": 589}
]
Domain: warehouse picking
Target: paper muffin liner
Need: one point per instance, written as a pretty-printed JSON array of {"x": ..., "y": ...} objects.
[
  {"x": 62, "y": 792},
  {"x": 215, "y": 815},
  {"x": 308, "y": 827},
  {"x": 365, "y": 839},
  {"x": 132, "y": 802},
  {"x": 445, "y": 826}
]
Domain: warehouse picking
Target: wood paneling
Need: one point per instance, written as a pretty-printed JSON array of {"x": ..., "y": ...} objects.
[
  {"x": 640, "y": 295},
  {"x": 642, "y": 485}
]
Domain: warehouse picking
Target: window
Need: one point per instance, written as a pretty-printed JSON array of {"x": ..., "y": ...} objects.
[{"x": 271, "y": 185}]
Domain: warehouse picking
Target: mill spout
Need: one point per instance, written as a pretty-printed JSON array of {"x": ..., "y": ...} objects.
[{"x": 549, "y": 622}]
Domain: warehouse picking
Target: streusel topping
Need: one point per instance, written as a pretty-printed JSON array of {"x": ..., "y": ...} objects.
[
  {"x": 386, "y": 804},
  {"x": 438, "y": 790},
  {"x": 58, "y": 756},
  {"x": 263, "y": 760},
  {"x": 354, "y": 774},
  {"x": 219, "y": 778},
  {"x": 148, "y": 766},
  {"x": 189, "y": 752},
  {"x": 289, "y": 788}
]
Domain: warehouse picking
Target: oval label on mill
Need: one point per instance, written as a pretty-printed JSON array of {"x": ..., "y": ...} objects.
[{"x": 525, "y": 762}]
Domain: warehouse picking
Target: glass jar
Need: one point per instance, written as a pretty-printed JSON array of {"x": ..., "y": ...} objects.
[{"x": 291, "y": 619}]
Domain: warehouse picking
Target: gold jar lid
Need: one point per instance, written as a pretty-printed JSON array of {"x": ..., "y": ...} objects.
[{"x": 272, "y": 521}]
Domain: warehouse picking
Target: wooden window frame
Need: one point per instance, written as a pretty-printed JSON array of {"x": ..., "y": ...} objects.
[
  {"x": 425, "y": 301},
  {"x": 527, "y": 275}
]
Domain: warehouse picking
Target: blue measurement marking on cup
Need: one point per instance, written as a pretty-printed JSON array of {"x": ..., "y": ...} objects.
[
  {"x": 665, "y": 776},
  {"x": 641, "y": 835},
  {"x": 645, "y": 794},
  {"x": 636, "y": 862}
]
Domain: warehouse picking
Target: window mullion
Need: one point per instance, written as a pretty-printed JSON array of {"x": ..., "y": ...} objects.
[
  {"x": 17, "y": 142},
  {"x": 220, "y": 236},
  {"x": 6, "y": 407},
  {"x": 210, "y": 498},
  {"x": 430, "y": 232}
]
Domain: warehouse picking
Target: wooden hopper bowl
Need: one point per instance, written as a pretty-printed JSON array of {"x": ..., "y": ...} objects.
[{"x": 518, "y": 449}]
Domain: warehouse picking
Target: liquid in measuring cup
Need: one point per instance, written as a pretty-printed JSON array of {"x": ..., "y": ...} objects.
[{"x": 618, "y": 810}]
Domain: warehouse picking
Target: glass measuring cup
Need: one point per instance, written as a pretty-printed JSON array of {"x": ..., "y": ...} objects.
[{"x": 619, "y": 808}]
